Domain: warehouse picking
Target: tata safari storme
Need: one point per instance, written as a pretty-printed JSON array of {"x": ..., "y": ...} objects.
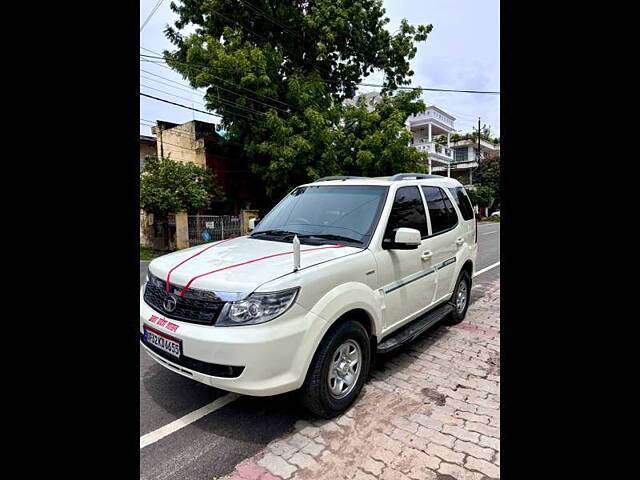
[{"x": 341, "y": 269}]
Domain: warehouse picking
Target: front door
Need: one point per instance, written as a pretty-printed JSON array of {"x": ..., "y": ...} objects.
[{"x": 407, "y": 276}]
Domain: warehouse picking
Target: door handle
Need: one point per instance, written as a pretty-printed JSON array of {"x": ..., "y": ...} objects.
[
  {"x": 426, "y": 255},
  {"x": 459, "y": 241}
]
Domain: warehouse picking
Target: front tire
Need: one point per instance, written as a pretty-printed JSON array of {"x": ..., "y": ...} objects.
[
  {"x": 338, "y": 370},
  {"x": 460, "y": 299}
]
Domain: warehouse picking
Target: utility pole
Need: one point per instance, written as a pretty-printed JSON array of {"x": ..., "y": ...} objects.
[
  {"x": 161, "y": 143},
  {"x": 477, "y": 155}
]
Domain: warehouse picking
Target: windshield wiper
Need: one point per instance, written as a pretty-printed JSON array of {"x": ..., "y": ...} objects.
[
  {"x": 275, "y": 232},
  {"x": 285, "y": 234},
  {"x": 329, "y": 236}
]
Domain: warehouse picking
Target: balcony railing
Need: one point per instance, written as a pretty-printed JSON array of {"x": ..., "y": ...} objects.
[{"x": 433, "y": 147}]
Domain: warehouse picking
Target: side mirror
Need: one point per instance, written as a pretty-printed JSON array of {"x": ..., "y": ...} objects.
[
  {"x": 252, "y": 223},
  {"x": 405, "y": 239}
]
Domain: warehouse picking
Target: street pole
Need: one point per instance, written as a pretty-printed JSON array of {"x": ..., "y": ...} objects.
[{"x": 477, "y": 155}]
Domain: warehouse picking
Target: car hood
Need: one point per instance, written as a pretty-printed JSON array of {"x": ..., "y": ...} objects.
[{"x": 239, "y": 265}]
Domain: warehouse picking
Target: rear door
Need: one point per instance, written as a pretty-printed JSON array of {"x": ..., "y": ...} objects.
[
  {"x": 407, "y": 277},
  {"x": 446, "y": 237},
  {"x": 465, "y": 211}
]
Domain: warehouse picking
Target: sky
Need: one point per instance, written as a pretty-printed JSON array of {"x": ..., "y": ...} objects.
[{"x": 462, "y": 52}]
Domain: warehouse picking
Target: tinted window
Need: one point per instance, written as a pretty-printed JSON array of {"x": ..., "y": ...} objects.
[
  {"x": 441, "y": 211},
  {"x": 349, "y": 211},
  {"x": 464, "y": 204},
  {"x": 408, "y": 212}
]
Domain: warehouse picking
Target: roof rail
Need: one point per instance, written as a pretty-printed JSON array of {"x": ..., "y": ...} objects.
[
  {"x": 417, "y": 176},
  {"x": 339, "y": 177}
]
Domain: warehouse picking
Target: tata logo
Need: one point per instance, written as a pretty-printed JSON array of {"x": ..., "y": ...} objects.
[{"x": 170, "y": 303}]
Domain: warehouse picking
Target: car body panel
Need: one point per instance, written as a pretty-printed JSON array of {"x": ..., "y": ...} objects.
[
  {"x": 389, "y": 286},
  {"x": 240, "y": 264}
]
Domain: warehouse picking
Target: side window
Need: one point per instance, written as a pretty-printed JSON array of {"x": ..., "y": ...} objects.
[
  {"x": 443, "y": 215},
  {"x": 408, "y": 212},
  {"x": 464, "y": 204}
]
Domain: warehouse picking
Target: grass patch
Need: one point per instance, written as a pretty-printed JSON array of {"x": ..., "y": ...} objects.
[{"x": 149, "y": 253}]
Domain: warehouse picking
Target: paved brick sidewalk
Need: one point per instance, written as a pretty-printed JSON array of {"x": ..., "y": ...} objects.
[{"x": 429, "y": 411}]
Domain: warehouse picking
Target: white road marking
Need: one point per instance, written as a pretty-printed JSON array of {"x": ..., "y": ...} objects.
[
  {"x": 189, "y": 418},
  {"x": 489, "y": 233},
  {"x": 486, "y": 269}
]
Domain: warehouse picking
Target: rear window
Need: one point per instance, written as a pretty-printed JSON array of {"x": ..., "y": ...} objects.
[
  {"x": 463, "y": 202},
  {"x": 443, "y": 215}
]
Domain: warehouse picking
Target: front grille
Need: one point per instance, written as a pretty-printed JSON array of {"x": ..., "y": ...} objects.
[
  {"x": 194, "y": 307},
  {"x": 213, "y": 369}
]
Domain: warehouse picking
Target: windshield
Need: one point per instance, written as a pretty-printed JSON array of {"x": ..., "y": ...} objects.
[{"x": 331, "y": 214}]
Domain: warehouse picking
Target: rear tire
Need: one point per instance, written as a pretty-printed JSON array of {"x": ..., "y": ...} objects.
[
  {"x": 460, "y": 299},
  {"x": 338, "y": 370}
]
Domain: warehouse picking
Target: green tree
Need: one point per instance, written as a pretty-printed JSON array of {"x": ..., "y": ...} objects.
[
  {"x": 279, "y": 71},
  {"x": 170, "y": 186},
  {"x": 485, "y": 134},
  {"x": 487, "y": 183}
]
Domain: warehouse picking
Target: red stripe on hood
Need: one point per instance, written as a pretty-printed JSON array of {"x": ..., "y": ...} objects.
[
  {"x": 186, "y": 287},
  {"x": 167, "y": 287}
]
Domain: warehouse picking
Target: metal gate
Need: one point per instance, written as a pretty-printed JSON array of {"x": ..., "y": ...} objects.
[{"x": 210, "y": 228}]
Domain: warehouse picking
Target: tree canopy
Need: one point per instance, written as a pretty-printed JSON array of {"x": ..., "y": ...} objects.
[
  {"x": 170, "y": 186},
  {"x": 279, "y": 71},
  {"x": 485, "y": 134},
  {"x": 487, "y": 182}
]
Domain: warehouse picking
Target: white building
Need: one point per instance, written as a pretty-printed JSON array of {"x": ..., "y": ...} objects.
[
  {"x": 453, "y": 159},
  {"x": 465, "y": 157},
  {"x": 425, "y": 127}
]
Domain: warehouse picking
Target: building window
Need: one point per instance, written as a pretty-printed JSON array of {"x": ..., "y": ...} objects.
[{"x": 460, "y": 154}]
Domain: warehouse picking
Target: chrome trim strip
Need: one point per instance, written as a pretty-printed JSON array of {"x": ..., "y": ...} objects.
[
  {"x": 417, "y": 276},
  {"x": 449, "y": 261},
  {"x": 407, "y": 280}
]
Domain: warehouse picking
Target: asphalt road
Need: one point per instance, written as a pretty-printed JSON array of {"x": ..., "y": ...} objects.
[{"x": 213, "y": 445}]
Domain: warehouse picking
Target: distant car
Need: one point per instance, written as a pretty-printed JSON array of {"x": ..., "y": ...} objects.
[{"x": 496, "y": 213}]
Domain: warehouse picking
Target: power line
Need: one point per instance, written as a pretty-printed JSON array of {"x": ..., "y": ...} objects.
[
  {"x": 221, "y": 100},
  {"x": 372, "y": 85},
  {"x": 424, "y": 89},
  {"x": 233, "y": 92},
  {"x": 151, "y": 14},
  {"x": 172, "y": 94},
  {"x": 187, "y": 89},
  {"x": 191, "y": 108},
  {"x": 203, "y": 68},
  {"x": 225, "y": 103}
]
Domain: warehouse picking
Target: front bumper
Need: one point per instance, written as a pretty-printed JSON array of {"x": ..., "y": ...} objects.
[{"x": 274, "y": 355}]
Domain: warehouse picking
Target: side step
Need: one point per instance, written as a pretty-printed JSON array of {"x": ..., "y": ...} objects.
[{"x": 415, "y": 328}]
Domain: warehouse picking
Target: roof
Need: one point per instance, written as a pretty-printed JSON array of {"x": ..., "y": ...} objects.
[
  {"x": 474, "y": 141},
  {"x": 429, "y": 180},
  {"x": 147, "y": 139}
]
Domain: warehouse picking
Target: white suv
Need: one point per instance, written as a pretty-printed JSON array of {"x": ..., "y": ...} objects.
[{"x": 341, "y": 269}]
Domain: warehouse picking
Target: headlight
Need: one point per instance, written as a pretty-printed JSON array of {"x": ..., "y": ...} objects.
[{"x": 257, "y": 308}]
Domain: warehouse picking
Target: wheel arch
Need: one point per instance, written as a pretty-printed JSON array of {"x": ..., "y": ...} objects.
[{"x": 468, "y": 267}]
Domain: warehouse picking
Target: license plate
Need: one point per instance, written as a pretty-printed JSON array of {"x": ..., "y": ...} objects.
[{"x": 163, "y": 342}]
